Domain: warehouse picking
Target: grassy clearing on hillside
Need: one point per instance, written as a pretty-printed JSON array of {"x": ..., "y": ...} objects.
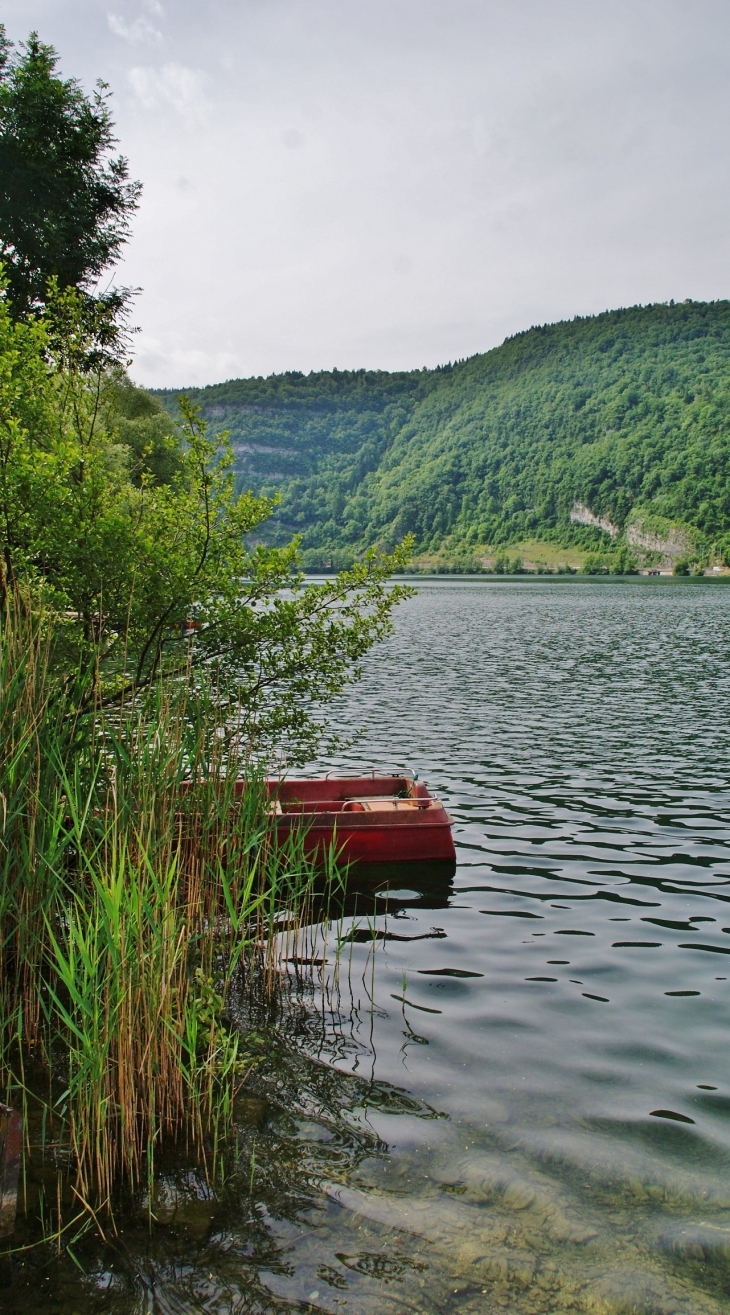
[
  {"x": 535, "y": 554},
  {"x": 531, "y": 554}
]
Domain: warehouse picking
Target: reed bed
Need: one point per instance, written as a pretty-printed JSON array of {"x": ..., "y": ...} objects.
[{"x": 137, "y": 883}]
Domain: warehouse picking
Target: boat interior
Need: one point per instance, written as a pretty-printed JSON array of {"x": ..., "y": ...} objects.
[
  {"x": 343, "y": 788},
  {"x": 351, "y": 794},
  {"x": 384, "y": 804}
]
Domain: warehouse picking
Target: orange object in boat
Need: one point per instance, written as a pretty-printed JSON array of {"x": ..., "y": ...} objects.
[{"x": 368, "y": 819}]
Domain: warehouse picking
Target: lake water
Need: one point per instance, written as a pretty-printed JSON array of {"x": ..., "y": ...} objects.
[{"x": 507, "y": 1091}]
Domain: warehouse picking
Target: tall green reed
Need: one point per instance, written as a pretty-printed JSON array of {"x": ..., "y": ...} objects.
[{"x": 139, "y": 876}]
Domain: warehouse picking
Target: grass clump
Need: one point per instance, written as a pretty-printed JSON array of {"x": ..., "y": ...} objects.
[{"x": 137, "y": 880}]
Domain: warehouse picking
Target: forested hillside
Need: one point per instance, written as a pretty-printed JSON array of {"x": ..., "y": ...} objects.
[
  {"x": 626, "y": 414},
  {"x": 289, "y": 426}
]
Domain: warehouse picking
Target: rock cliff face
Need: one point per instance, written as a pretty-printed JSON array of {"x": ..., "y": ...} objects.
[
  {"x": 645, "y": 534},
  {"x": 672, "y": 542},
  {"x": 584, "y": 516}
]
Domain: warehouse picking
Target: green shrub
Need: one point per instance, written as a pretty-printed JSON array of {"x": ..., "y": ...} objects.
[{"x": 596, "y": 564}]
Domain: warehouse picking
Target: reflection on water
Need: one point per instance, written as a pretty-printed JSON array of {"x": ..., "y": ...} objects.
[{"x": 507, "y": 1089}]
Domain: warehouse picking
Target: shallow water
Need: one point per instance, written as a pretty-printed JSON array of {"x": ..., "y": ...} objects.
[{"x": 509, "y": 1091}]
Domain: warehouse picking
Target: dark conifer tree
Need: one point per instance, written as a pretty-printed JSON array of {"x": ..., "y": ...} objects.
[{"x": 65, "y": 199}]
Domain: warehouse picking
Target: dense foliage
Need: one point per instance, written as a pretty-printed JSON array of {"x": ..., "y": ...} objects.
[
  {"x": 135, "y": 541},
  {"x": 153, "y": 660},
  {"x": 313, "y": 437},
  {"x": 65, "y": 200},
  {"x": 625, "y": 412}
]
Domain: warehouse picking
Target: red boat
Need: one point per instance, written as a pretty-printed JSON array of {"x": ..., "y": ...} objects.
[{"x": 368, "y": 819}]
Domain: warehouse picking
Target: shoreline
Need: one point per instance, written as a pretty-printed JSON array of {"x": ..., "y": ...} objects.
[{"x": 544, "y": 577}]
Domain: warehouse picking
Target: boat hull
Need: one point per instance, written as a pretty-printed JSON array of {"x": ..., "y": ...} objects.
[
  {"x": 376, "y": 844},
  {"x": 367, "y": 819}
]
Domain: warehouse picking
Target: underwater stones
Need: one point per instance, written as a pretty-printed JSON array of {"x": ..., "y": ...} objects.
[
  {"x": 188, "y": 1212},
  {"x": 545, "y": 1280},
  {"x": 195, "y": 1217},
  {"x": 621, "y": 1291},
  {"x": 163, "y": 1202},
  {"x": 638, "y": 1190},
  {"x": 252, "y": 1111},
  {"x": 517, "y": 1196},
  {"x": 522, "y": 1274},
  {"x": 536, "y": 1241},
  {"x": 513, "y": 1259},
  {"x": 543, "y": 1231},
  {"x": 541, "y": 1257},
  {"x": 470, "y": 1234},
  {"x": 490, "y": 1180},
  {"x": 627, "y": 1172},
  {"x": 577, "y": 1234},
  {"x": 704, "y": 1242}
]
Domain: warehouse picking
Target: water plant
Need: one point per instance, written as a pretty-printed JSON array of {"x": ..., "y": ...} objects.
[{"x": 138, "y": 878}]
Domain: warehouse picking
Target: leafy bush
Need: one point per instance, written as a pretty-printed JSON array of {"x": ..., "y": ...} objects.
[
  {"x": 140, "y": 547},
  {"x": 597, "y": 564}
]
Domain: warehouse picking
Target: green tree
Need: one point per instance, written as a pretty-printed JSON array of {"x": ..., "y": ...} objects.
[
  {"x": 146, "y": 579},
  {"x": 624, "y": 562},
  {"x": 65, "y": 200},
  {"x": 143, "y": 426},
  {"x": 596, "y": 563}
]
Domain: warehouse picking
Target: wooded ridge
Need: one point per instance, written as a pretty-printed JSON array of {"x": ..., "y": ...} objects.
[{"x": 599, "y": 432}]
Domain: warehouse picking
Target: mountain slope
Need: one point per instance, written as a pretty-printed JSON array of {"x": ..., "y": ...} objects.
[{"x": 626, "y": 413}]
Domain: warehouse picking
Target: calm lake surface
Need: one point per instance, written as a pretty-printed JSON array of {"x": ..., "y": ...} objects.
[{"x": 507, "y": 1091}]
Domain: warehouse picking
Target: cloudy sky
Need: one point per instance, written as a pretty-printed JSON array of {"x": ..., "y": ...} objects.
[{"x": 398, "y": 183}]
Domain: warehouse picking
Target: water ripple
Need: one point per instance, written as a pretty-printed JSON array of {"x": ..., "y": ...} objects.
[{"x": 577, "y": 734}]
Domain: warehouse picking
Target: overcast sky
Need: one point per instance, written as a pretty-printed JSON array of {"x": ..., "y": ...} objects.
[{"x": 398, "y": 183}]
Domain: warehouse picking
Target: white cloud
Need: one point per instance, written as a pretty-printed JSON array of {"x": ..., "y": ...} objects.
[
  {"x": 141, "y": 30},
  {"x": 172, "y": 84},
  {"x": 169, "y": 358},
  {"x": 398, "y": 184}
]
